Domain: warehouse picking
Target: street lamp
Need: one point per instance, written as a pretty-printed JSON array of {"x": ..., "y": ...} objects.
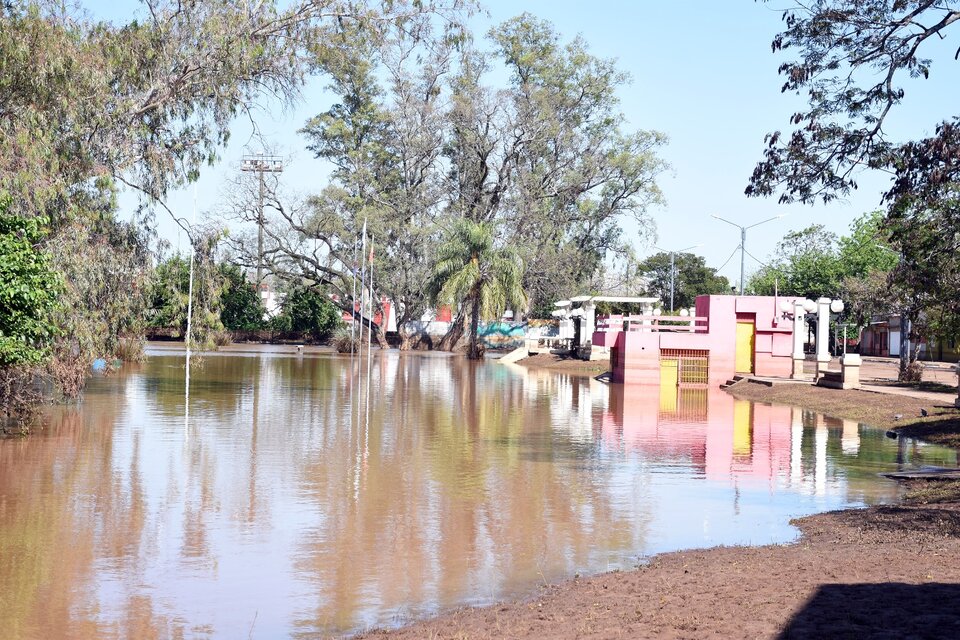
[
  {"x": 743, "y": 240},
  {"x": 261, "y": 164},
  {"x": 672, "y": 269}
]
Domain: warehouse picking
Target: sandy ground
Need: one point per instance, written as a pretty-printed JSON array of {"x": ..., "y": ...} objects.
[
  {"x": 565, "y": 363},
  {"x": 881, "y": 572}
]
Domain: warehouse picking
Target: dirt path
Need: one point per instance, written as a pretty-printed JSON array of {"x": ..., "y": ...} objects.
[{"x": 883, "y": 572}]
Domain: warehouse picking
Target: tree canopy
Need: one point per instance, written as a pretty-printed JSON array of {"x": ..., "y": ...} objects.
[
  {"x": 423, "y": 134},
  {"x": 854, "y": 61},
  {"x": 470, "y": 271},
  {"x": 692, "y": 277}
]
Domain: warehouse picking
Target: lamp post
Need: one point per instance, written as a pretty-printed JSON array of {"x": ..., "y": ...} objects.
[
  {"x": 261, "y": 164},
  {"x": 743, "y": 240},
  {"x": 673, "y": 268}
]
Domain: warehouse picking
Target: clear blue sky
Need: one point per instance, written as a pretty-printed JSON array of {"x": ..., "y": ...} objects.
[{"x": 703, "y": 73}]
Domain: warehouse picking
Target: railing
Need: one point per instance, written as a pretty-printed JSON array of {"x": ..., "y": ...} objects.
[{"x": 677, "y": 324}]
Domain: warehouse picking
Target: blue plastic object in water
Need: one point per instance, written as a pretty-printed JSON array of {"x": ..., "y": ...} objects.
[{"x": 99, "y": 365}]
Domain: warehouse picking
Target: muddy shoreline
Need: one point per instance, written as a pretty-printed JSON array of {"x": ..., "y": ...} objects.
[{"x": 888, "y": 571}]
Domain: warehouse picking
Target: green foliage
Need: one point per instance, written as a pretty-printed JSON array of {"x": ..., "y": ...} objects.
[
  {"x": 426, "y": 133},
  {"x": 813, "y": 262},
  {"x": 691, "y": 279},
  {"x": 307, "y": 311},
  {"x": 29, "y": 289},
  {"x": 169, "y": 293},
  {"x": 167, "y": 298},
  {"x": 854, "y": 60},
  {"x": 805, "y": 263},
  {"x": 471, "y": 272},
  {"x": 242, "y": 307}
]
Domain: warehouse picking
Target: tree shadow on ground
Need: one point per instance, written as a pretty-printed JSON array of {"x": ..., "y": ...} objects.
[{"x": 886, "y": 610}]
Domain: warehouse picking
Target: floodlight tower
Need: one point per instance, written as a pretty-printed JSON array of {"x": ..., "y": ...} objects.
[{"x": 261, "y": 164}]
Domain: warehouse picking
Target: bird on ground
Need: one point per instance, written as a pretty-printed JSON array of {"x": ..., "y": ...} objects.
[
  {"x": 923, "y": 412},
  {"x": 897, "y": 416}
]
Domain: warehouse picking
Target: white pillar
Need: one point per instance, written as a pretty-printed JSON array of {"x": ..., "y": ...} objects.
[
  {"x": 589, "y": 322},
  {"x": 799, "y": 329},
  {"x": 823, "y": 335}
]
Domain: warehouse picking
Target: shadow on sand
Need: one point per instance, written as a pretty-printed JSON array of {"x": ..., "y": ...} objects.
[{"x": 886, "y": 610}]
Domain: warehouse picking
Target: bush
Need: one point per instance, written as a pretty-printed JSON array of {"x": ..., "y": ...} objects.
[
  {"x": 307, "y": 311},
  {"x": 221, "y": 338},
  {"x": 242, "y": 308},
  {"x": 343, "y": 342},
  {"x": 130, "y": 349}
]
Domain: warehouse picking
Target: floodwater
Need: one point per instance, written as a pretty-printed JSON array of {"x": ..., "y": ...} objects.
[{"x": 277, "y": 511}]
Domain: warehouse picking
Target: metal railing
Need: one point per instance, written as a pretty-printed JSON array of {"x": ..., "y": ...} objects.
[{"x": 682, "y": 324}]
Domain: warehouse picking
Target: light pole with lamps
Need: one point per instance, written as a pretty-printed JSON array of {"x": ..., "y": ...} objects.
[
  {"x": 672, "y": 267},
  {"x": 261, "y": 164},
  {"x": 743, "y": 240}
]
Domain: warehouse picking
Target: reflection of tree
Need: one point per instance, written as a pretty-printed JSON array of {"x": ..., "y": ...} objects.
[
  {"x": 66, "y": 509},
  {"x": 468, "y": 490}
]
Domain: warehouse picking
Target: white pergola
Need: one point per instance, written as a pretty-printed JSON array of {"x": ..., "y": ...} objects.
[{"x": 587, "y": 310}]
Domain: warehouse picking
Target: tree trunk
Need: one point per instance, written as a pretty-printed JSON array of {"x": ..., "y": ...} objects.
[
  {"x": 406, "y": 340},
  {"x": 910, "y": 369},
  {"x": 474, "y": 352},
  {"x": 902, "y": 375},
  {"x": 453, "y": 335}
]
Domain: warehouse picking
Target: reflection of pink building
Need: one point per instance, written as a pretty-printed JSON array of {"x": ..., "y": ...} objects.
[
  {"x": 720, "y": 435},
  {"x": 728, "y": 335}
]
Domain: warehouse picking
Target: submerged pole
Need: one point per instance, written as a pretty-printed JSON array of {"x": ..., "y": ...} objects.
[
  {"x": 353, "y": 298},
  {"x": 370, "y": 334}
]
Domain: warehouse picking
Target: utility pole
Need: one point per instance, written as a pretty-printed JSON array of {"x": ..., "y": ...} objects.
[
  {"x": 673, "y": 269},
  {"x": 743, "y": 240},
  {"x": 261, "y": 164}
]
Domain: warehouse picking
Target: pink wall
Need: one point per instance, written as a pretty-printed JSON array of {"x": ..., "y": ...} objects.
[{"x": 637, "y": 353}]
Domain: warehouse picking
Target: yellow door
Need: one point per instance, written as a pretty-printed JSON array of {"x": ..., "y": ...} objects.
[
  {"x": 745, "y": 341},
  {"x": 669, "y": 379}
]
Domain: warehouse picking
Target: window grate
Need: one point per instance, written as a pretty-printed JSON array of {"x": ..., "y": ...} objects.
[{"x": 693, "y": 365}]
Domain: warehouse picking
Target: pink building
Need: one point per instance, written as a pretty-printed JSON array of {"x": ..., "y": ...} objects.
[{"x": 726, "y": 336}]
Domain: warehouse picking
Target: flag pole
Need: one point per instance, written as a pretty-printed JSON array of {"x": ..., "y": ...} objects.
[
  {"x": 373, "y": 311},
  {"x": 353, "y": 298}
]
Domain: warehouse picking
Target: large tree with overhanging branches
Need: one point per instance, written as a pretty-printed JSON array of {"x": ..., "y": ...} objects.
[{"x": 855, "y": 62}]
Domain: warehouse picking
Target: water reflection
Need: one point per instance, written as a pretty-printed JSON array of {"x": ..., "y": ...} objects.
[{"x": 281, "y": 511}]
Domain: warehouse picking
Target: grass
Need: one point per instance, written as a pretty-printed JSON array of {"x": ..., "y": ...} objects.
[{"x": 932, "y": 491}]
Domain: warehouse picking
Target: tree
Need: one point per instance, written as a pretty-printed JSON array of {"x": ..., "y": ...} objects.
[
  {"x": 852, "y": 54},
  {"x": 242, "y": 307},
  {"x": 307, "y": 311},
  {"x": 470, "y": 272},
  {"x": 29, "y": 289},
  {"x": 168, "y": 295},
  {"x": 420, "y": 135},
  {"x": 692, "y": 277},
  {"x": 856, "y": 60},
  {"x": 29, "y": 292},
  {"x": 805, "y": 263},
  {"x": 87, "y": 106}
]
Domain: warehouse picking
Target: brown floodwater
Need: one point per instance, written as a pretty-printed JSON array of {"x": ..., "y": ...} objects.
[{"x": 278, "y": 509}]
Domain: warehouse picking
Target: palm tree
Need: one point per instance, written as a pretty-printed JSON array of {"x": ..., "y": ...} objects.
[{"x": 471, "y": 272}]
